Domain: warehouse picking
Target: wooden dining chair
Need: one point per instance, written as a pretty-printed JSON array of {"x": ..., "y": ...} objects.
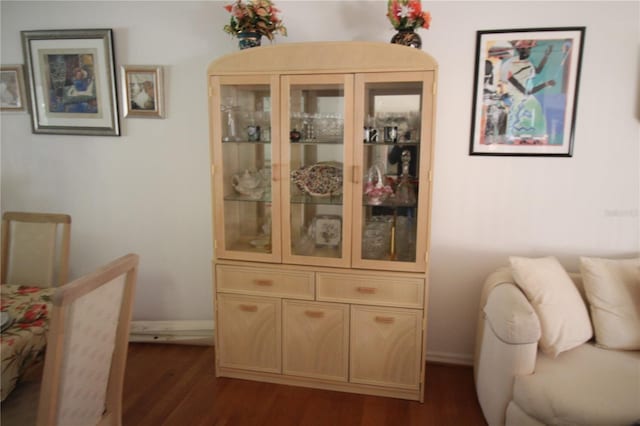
[
  {"x": 35, "y": 248},
  {"x": 86, "y": 353}
]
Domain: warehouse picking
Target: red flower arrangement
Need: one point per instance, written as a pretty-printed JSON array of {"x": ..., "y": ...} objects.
[
  {"x": 256, "y": 16},
  {"x": 407, "y": 14}
]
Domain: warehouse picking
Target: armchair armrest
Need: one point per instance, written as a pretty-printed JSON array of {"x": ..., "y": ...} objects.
[
  {"x": 510, "y": 315},
  {"x": 506, "y": 343}
]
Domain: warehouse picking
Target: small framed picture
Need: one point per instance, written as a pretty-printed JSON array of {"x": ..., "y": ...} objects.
[
  {"x": 328, "y": 230},
  {"x": 142, "y": 90},
  {"x": 11, "y": 88}
]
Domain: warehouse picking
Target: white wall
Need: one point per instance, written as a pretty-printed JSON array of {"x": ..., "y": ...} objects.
[{"x": 148, "y": 190}]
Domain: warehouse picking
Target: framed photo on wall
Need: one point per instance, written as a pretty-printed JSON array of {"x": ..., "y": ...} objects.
[
  {"x": 526, "y": 91},
  {"x": 12, "y": 96},
  {"x": 71, "y": 81},
  {"x": 142, "y": 91}
]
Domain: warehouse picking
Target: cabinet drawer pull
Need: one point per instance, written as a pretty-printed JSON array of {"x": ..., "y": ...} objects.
[
  {"x": 385, "y": 320},
  {"x": 249, "y": 308},
  {"x": 263, "y": 283},
  {"x": 314, "y": 314},
  {"x": 366, "y": 290}
]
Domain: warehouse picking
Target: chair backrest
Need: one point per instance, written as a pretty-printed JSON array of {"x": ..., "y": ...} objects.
[
  {"x": 33, "y": 251},
  {"x": 87, "y": 347}
]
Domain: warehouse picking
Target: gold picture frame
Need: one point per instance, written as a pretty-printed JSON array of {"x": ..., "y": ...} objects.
[
  {"x": 12, "y": 93},
  {"x": 142, "y": 91}
]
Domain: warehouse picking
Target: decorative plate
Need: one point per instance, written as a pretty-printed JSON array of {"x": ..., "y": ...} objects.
[{"x": 322, "y": 179}]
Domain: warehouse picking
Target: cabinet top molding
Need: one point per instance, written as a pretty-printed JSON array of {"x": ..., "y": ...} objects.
[{"x": 324, "y": 57}]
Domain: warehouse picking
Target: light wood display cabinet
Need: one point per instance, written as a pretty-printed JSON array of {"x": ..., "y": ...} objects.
[{"x": 321, "y": 165}]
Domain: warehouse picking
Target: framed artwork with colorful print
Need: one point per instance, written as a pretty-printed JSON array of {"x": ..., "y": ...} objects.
[{"x": 526, "y": 91}]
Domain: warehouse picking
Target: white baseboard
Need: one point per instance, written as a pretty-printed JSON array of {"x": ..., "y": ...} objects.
[
  {"x": 177, "y": 332},
  {"x": 449, "y": 358}
]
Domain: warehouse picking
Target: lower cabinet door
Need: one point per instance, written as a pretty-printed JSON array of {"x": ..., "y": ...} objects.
[
  {"x": 249, "y": 334},
  {"x": 315, "y": 339},
  {"x": 386, "y": 346}
]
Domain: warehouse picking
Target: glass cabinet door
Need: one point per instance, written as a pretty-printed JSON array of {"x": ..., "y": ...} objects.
[
  {"x": 393, "y": 154},
  {"x": 245, "y": 188},
  {"x": 316, "y": 129}
]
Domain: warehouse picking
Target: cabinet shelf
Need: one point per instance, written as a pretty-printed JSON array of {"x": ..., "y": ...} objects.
[
  {"x": 307, "y": 199},
  {"x": 252, "y": 244},
  {"x": 237, "y": 197},
  {"x": 336, "y": 141},
  {"x": 409, "y": 143},
  {"x": 389, "y": 204},
  {"x": 324, "y": 252},
  {"x": 243, "y": 142}
]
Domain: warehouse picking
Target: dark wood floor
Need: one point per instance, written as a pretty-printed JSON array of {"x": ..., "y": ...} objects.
[{"x": 176, "y": 385}]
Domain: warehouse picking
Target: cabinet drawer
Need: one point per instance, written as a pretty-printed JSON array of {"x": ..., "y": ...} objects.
[
  {"x": 383, "y": 290},
  {"x": 262, "y": 281}
]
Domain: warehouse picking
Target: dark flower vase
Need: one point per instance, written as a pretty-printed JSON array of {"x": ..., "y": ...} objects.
[
  {"x": 407, "y": 37},
  {"x": 247, "y": 40}
]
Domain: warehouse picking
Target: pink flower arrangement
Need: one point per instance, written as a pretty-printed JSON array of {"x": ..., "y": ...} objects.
[
  {"x": 256, "y": 16},
  {"x": 407, "y": 14},
  {"x": 377, "y": 192}
]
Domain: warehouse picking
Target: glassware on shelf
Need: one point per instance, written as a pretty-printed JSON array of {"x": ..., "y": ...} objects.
[
  {"x": 318, "y": 127},
  {"x": 405, "y": 237},
  {"x": 391, "y": 134},
  {"x": 405, "y": 191},
  {"x": 305, "y": 244},
  {"x": 265, "y": 176},
  {"x": 308, "y": 130},
  {"x": 230, "y": 112},
  {"x": 262, "y": 241},
  {"x": 253, "y": 133},
  {"x": 376, "y": 237}
]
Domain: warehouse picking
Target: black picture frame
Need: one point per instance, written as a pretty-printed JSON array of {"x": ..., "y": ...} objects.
[{"x": 526, "y": 91}]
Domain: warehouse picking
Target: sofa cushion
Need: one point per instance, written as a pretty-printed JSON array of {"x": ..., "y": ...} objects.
[
  {"x": 564, "y": 319},
  {"x": 587, "y": 385},
  {"x": 613, "y": 291}
]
